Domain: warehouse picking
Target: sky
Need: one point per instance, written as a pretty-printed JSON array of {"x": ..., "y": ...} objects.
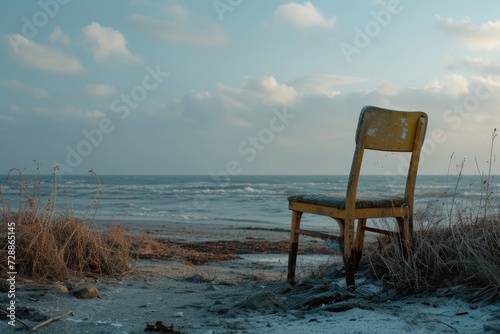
[{"x": 228, "y": 87}]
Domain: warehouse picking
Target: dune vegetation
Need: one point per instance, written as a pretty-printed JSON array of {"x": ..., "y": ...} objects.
[
  {"x": 454, "y": 245},
  {"x": 54, "y": 244}
]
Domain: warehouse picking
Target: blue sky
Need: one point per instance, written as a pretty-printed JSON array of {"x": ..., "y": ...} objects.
[{"x": 242, "y": 87}]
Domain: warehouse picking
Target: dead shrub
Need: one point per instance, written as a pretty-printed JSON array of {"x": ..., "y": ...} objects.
[
  {"x": 458, "y": 244},
  {"x": 442, "y": 256},
  {"x": 53, "y": 245}
]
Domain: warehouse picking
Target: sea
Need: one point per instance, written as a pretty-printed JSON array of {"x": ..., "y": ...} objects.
[{"x": 241, "y": 199}]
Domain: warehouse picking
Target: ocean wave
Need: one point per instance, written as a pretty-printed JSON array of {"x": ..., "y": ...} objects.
[{"x": 250, "y": 189}]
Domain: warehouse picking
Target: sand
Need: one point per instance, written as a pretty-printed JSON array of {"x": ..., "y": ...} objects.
[{"x": 245, "y": 295}]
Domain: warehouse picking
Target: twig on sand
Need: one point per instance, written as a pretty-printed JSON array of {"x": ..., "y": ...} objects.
[
  {"x": 44, "y": 323},
  {"x": 48, "y": 321},
  {"x": 444, "y": 323}
]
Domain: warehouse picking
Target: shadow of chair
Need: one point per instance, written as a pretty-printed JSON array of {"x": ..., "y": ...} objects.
[{"x": 378, "y": 129}]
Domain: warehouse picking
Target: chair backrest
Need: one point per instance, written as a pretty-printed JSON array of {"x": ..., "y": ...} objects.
[{"x": 388, "y": 130}]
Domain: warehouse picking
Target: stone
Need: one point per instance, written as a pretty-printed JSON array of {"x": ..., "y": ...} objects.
[
  {"x": 61, "y": 288},
  {"x": 87, "y": 292}
]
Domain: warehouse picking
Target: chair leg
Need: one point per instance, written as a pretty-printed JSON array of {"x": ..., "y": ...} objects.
[
  {"x": 360, "y": 240},
  {"x": 294, "y": 246},
  {"x": 406, "y": 232},
  {"x": 349, "y": 253},
  {"x": 408, "y": 240}
]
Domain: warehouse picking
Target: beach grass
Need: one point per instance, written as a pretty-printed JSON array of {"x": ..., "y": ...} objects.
[
  {"x": 454, "y": 245},
  {"x": 53, "y": 245},
  {"x": 463, "y": 253}
]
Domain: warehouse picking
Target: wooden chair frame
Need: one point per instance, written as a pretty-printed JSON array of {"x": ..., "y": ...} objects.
[{"x": 382, "y": 130}]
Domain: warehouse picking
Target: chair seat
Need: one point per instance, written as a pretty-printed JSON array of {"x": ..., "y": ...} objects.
[{"x": 337, "y": 200}]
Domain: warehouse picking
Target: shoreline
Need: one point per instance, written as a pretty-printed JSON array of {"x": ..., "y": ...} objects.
[
  {"x": 200, "y": 232},
  {"x": 207, "y": 231}
]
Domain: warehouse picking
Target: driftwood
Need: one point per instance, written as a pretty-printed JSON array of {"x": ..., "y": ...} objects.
[
  {"x": 346, "y": 306},
  {"x": 48, "y": 321},
  {"x": 43, "y": 323}
]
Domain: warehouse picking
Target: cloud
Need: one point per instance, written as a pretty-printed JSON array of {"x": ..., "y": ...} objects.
[
  {"x": 304, "y": 16},
  {"x": 72, "y": 111},
  {"x": 323, "y": 84},
  {"x": 57, "y": 36},
  {"x": 12, "y": 84},
  {"x": 42, "y": 57},
  {"x": 108, "y": 44},
  {"x": 485, "y": 36},
  {"x": 18, "y": 85},
  {"x": 481, "y": 64},
  {"x": 40, "y": 92},
  {"x": 179, "y": 26},
  {"x": 5, "y": 118},
  {"x": 387, "y": 88},
  {"x": 264, "y": 90},
  {"x": 454, "y": 84},
  {"x": 100, "y": 90},
  {"x": 236, "y": 107}
]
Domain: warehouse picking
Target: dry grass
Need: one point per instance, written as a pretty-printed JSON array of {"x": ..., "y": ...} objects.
[
  {"x": 461, "y": 249},
  {"x": 463, "y": 253},
  {"x": 54, "y": 245},
  {"x": 65, "y": 247}
]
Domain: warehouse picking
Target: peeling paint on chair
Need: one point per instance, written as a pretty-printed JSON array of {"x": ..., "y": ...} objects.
[{"x": 404, "y": 121}]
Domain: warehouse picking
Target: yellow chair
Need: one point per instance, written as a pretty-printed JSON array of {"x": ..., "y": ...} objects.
[{"x": 378, "y": 129}]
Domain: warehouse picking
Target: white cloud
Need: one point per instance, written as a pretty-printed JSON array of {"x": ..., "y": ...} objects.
[
  {"x": 179, "y": 26},
  {"x": 42, "y": 57},
  {"x": 5, "y": 118},
  {"x": 236, "y": 107},
  {"x": 12, "y": 84},
  {"x": 304, "y": 15},
  {"x": 485, "y": 36},
  {"x": 489, "y": 82},
  {"x": 481, "y": 64},
  {"x": 323, "y": 84},
  {"x": 100, "y": 90},
  {"x": 388, "y": 88},
  {"x": 455, "y": 84},
  {"x": 40, "y": 92},
  {"x": 57, "y": 36},
  {"x": 108, "y": 44},
  {"x": 264, "y": 90},
  {"x": 72, "y": 111},
  {"x": 235, "y": 121}
]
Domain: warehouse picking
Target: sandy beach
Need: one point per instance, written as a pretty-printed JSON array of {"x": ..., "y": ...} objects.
[{"x": 247, "y": 294}]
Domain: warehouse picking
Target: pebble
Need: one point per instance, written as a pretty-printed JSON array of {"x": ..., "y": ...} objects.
[
  {"x": 61, "y": 288},
  {"x": 87, "y": 292}
]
